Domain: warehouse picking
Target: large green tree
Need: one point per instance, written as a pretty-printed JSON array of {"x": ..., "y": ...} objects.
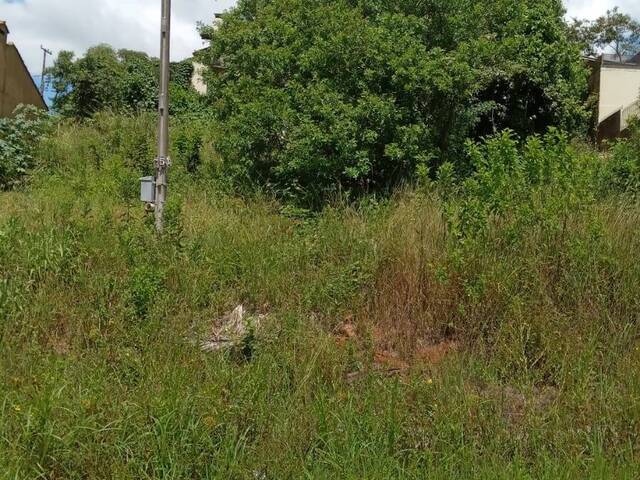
[{"x": 319, "y": 96}]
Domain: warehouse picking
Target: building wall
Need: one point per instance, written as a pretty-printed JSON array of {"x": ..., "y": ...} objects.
[
  {"x": 619, "y": 88},
  {"x": 197, "y": 79},
  {"x": 16, "y": 84}
]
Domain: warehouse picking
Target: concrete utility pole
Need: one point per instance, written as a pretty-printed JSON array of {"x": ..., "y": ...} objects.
[
  {"x": 163, "y": 161},
  {"x": 45, "y": 52}
]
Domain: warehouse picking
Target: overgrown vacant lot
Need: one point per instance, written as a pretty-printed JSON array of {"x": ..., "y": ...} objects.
[{"x": 476, "y": 329}]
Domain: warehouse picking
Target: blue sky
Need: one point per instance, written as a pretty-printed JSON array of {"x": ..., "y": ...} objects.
[{"x": 78, "y": 24}]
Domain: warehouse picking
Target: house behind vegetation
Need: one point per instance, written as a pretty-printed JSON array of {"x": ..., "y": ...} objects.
[
  {"x": 617, "y": 83},
  {"x": 199, "y": 68},
  {"x": 197, "y": 79},
  {"x": 16, "y": 84}
]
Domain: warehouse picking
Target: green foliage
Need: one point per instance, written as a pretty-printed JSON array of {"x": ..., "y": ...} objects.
[
  {"x": 124, "y": 82},
  {"x": 188, "y": 144},
  {"x": 19, "y": 139},
  {"x": 621, "y": 172},
  {"x": 144, "y": 286},
  {"x": 138, "y": 85},
  {"x": 539, "y": 183},
  {"x": 613, "y": 32},
  {"x": 186, "y": 102},
  {"x": 519, "y": 224},
  {"x": 125, "y": 145},
  {"x": 532, "y": 236},
  {"x": 101, "y": 376},
  {"x": 88, "y": 85},
  {"x": 181, "y": 73},
  {"x": 134, "y": 137},
  {"x": 318, "y": 98}
]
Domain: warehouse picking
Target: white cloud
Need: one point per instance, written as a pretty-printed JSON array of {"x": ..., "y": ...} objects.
[
  {"x": 594, "y": 8},
  {"x": 134, "y": 24},
  {"x": 78, "y": 24}
]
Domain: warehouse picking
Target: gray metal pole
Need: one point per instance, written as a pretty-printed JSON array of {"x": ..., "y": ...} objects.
[
  {"x": 163, "y": 162},
  {"x": 45, "y": 52}
]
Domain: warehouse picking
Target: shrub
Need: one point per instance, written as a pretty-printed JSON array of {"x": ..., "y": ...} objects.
[
  {"x": 536, "y": 184},
  {"x": 325, "y": 97},
  {"x": 19, "y": 137},
  {"x": 621, "y": 171},
  {"x": 144, "y": 285},
  {"x": 526, "y": 245},
  {"x": 136, "y": 142},
  {"x": 187, "y": 144}
]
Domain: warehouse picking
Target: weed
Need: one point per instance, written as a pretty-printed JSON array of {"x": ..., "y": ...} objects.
[
  {"x": 19, "y": 137},
  {"x": 510, "y": 298}
]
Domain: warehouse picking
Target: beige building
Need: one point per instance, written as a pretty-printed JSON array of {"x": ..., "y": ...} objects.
[
  {"x": 617, "y": 82},
  {"x": 197, "y": 79},
  {"x": 16, "y": 84},
  {"x": 200, "y": 69}
]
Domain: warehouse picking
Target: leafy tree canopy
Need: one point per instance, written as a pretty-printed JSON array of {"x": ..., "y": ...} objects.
[
  {"x": 614, "y": 32},
  {"x": 104, "y": 79},
  {"x": 320, "y": 96}
]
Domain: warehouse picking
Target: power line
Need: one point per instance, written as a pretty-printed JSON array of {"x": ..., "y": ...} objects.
[{"x": 45, "y": 52}]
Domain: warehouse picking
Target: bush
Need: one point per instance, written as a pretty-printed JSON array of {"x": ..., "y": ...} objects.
[
  {"x": 536, "y": 184},
  {"x": 19, "y": 138},
  {"x": 187, "y": 144},
  {"x": 318, "y": 98},
  {"x": 622, "y": 168}
]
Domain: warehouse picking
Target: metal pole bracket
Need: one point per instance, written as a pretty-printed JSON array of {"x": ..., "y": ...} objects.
[{"x": 163, "y": 162}]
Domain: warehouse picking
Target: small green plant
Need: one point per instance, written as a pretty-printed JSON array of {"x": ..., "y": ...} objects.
[
  {"x": 134, "y": 139},
  {"x": 145, "y": 284},
  {"x": 173, "y": 219}
]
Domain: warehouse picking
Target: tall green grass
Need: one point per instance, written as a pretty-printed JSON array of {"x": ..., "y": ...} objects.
[{"x": 100, "y": 379}]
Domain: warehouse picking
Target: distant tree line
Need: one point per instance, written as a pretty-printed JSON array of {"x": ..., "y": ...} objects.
[
  {"x": 614, "y": 32},
  {"x": 122, "y": 81}
]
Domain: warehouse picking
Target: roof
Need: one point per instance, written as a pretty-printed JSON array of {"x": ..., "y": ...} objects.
[
  {"x": 608, "y": 60},
  {"x": 621, "y": 66},
  {"x": 612, "y": 57},
  {"x": 5, "y": 29}
]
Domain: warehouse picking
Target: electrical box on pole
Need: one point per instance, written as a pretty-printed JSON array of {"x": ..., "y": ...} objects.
[
  {"x": 159, "y": 184},
  {"x": 148, "y": 189}
]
